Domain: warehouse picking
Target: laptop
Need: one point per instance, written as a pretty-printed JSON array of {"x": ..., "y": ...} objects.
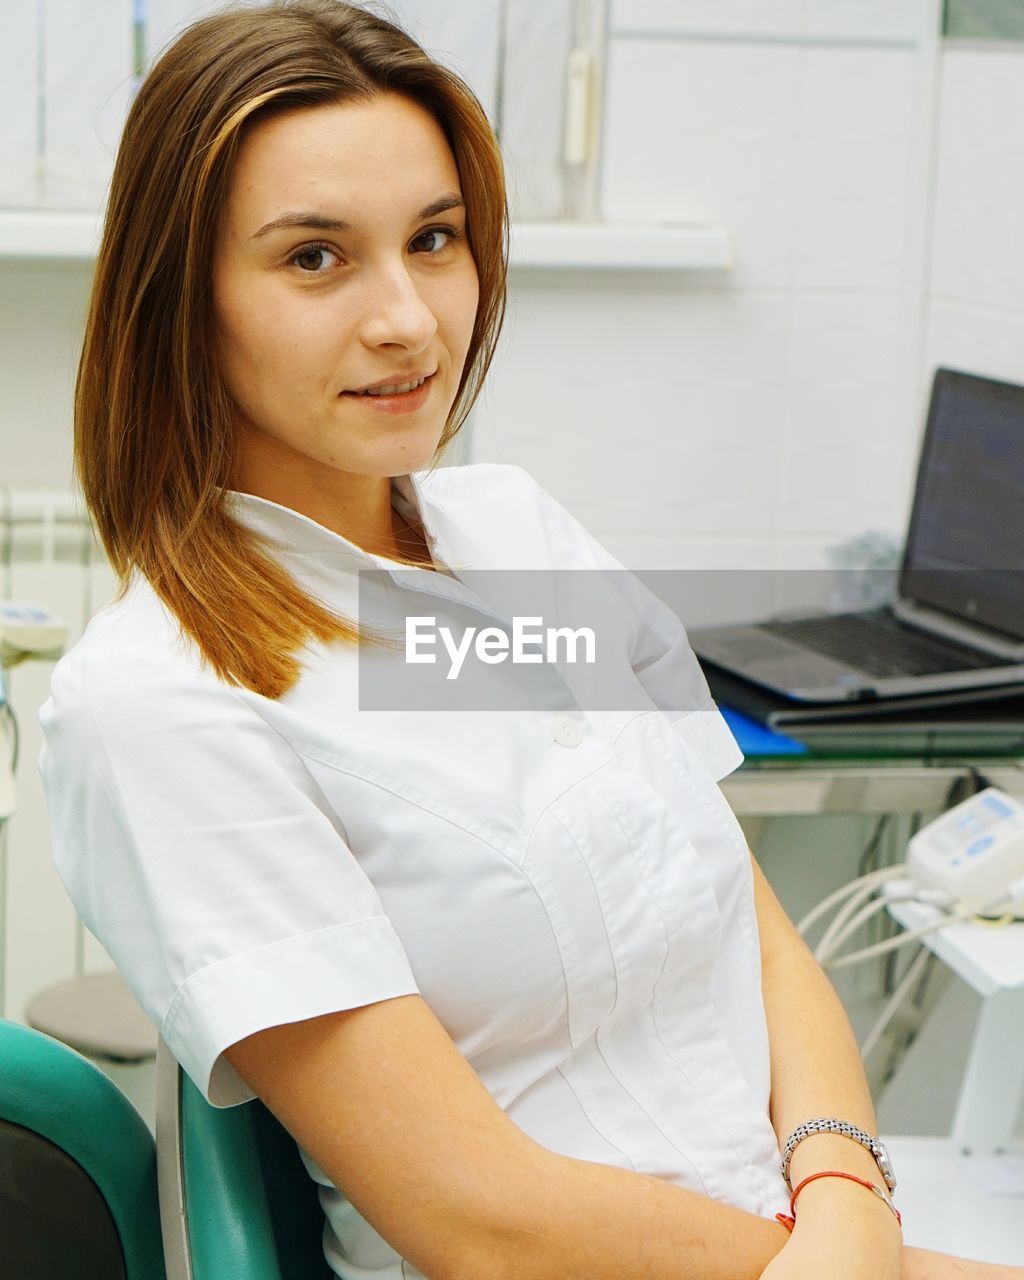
[{"x": 957, "y": 621}]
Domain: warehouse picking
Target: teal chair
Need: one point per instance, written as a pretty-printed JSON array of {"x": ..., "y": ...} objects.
[
  {"x": 78, "y": 1172},
  {"x": 236, "y": 1201}
]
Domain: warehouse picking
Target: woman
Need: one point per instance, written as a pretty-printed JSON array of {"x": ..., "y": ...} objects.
[{"x": 512, "y": 983}]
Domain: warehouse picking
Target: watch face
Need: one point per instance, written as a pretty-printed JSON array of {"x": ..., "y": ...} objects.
[{"x": 885, "y": 1165}]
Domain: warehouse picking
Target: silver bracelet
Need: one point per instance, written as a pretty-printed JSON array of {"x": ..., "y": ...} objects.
[{"x": 829, "y": 1124}]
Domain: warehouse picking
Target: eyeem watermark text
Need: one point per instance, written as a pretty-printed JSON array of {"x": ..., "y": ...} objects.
[{"x": 493, "y": 645}]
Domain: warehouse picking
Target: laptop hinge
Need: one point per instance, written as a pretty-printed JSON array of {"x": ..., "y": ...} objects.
[{"x": 955, "y": 629}]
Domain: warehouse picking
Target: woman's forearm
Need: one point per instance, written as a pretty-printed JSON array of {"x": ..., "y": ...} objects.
[
  {"x": 580, "y": 1220},
  {"x": 381, "y": 1099},
  {"x": 815, "y": 1063},
  {"x": 842, "y": 1230}
]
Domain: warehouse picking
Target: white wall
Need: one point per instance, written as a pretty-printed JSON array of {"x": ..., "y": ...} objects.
[
  {"x": 756, "y": 416},
  {"x": 975, "y": 311},
  {"x": 42, "y": 311}
]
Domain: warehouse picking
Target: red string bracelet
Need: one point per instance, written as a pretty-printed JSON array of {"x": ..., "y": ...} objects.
[{"x": 789, "y": 1220}]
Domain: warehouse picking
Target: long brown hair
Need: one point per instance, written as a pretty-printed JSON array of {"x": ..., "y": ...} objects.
[{"x": 154, "y": 434}]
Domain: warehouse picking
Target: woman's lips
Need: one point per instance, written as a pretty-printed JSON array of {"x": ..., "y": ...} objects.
[{"x": 406, "y": 402}]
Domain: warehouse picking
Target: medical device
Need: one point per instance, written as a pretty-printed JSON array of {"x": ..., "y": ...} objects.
[
  {"x": 974, "y": 853},
  {"x": 967, "y": 864},
  {"x": 29, "y": 631},
  {"x": 26, "y": 631}
]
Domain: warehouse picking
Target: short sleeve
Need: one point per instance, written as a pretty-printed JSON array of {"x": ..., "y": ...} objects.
[
  {"x": 201, "y": 854},
  {"x": 661, "y": 655}
]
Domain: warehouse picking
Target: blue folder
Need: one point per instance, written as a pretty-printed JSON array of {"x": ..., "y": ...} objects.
[{"x": 756, "y": 739}]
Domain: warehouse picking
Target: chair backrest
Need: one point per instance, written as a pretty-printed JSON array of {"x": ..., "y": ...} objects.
[
  {"x": 236, "y": 1201},
  {"x": 78, "y": 1181}
]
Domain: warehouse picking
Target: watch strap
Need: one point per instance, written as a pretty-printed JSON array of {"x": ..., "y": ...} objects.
[{"x": 830, "y": 1124}]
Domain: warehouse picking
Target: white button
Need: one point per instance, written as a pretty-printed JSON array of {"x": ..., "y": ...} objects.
[{"x": 566, "y": 731}]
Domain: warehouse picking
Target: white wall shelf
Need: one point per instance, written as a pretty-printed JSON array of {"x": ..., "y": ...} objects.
[
  {"x": 606, "y": 246},
  {"x": 45, "y": 233},
  {"x": 57, "y": 236}
]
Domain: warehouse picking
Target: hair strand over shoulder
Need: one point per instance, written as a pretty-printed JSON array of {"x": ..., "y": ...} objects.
[{"x": 154, "y": 424}]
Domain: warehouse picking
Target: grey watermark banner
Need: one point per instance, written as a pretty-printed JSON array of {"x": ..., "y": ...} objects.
[{"x": 619, "y": 640}]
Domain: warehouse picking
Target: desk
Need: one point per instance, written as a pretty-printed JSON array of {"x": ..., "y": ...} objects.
[
  {"x": 948, "y": 1204},
  {"x": 781, "y": 777},
  {"x": 814, "y": 784},
  {"x": 991, "y": 961},
  {"x": 993, "y": 965}
]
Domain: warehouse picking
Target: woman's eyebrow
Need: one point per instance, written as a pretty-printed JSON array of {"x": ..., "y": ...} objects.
[{"x": 321, "y": 222}]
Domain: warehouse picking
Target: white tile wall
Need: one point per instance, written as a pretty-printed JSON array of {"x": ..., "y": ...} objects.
[
  {"x": 848, "y": 20},
  {"x": 980, "y": 339},
  {"x": 846, "y": 449},
  {"x": 707, "y": 132},
  {"x": 42, "y": 309},
  {"x": 19, "y": 116},
  {"x": 88, "y": 76},
  {"x": 738, "y": 17},
  {"x": 977, "y": 248},
  {"x": 975, "y": 313},
  {"x": 856, "y": 188},
  {"x": 849, "y": 451},
  {"x": 687, "y": 424},
  {"x": 796, "y": 373},
  {"x": 897, "y": 20}
]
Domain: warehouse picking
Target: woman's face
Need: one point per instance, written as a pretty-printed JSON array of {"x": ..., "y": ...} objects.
[{"x": 333, "y": 273}]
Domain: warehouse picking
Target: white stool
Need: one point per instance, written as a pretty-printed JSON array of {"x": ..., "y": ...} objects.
[{"x": 99, "y": 1017}]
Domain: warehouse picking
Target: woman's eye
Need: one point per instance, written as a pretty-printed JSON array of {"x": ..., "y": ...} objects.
[
  {"x": 313, "y": 259},
  {"x": 451, "y": 233}
]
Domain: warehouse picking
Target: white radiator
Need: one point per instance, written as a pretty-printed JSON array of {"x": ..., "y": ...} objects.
[{"x": 50, "y": 556}]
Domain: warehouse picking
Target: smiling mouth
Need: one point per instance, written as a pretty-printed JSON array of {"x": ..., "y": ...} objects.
[{"x": 391, "y": 395}]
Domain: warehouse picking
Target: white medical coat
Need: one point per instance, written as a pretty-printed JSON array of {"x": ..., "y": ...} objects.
[{"x": 569, "y": 893}]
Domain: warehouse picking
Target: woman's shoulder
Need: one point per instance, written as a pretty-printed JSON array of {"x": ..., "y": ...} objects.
[{"x": 131, "y": 658}]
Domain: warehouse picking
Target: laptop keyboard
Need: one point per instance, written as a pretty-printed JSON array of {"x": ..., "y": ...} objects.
[{"x": 880, "y": 645}]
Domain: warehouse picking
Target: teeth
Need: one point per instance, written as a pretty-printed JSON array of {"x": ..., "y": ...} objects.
[{"x": 397, "y": 389}]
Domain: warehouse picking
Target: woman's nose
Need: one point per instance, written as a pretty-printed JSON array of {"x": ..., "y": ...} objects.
[{"x": 397, "y": 310}]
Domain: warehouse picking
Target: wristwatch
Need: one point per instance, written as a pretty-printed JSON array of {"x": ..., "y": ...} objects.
[{"x": 828, "y": 1124}]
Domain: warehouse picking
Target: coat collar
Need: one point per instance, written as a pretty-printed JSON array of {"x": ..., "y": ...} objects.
[{"x": 290, "y": 533}]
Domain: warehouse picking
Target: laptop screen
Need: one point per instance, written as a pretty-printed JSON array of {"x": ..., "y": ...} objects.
[{"x": 965, "y": 546}]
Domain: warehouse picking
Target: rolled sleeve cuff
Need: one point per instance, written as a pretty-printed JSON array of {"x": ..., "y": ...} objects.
[
  {"x": 710, "y": 739},
  {"x": 343, "y": 967}
]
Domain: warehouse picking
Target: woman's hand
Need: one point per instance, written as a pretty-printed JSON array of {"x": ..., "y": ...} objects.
[
  {"x": 807, "y": 1258},
  {"x": 841, "y": 1233}
]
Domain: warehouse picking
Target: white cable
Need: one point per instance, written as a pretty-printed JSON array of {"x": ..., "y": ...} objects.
[
  {"x": 839, "y": 929},
  {"x": 893, "y": 944},
  {"x": 852, "y": 904},
  {"x": 830, "y": 945},
  {"x": 864, "y": 888},
  {"x": 898, "y": 996},
  {"x": 873, "y": 877}
]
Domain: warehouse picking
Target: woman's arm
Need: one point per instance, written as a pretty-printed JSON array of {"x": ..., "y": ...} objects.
[
  {"x": 817, "y": 1071},
  {"x": 842, "y": 1230},
  {"x": 383, "y": 1101},
  {"x": 385, "y": 1104},
  {"x": 815, "y": 1062}
]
